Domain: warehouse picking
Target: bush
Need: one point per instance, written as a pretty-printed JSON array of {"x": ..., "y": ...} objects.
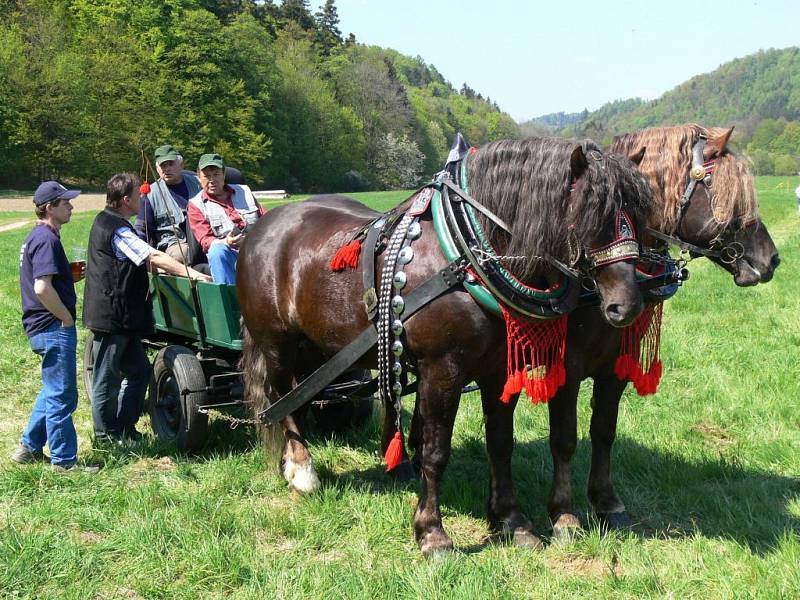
[
  {"x": 354, "y": 181},
  {"x": 785, "y": 165},
  {"x": 399, "y": 162},
  {"x": 763, "y": 162}
]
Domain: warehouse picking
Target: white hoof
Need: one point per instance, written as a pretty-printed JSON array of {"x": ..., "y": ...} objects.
[{"x": 302, "y": 478}]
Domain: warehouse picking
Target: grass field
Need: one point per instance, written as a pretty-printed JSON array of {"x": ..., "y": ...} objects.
[{"x": 709, "y": 468}]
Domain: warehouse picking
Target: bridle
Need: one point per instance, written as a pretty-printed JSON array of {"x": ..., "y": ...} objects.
[
  {"x": 624, "y": 246},
  {"x": 701, "y": 172}
]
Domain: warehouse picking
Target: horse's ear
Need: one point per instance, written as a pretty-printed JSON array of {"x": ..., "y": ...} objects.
[
  {"x": 636, "y": 157},
  {"x": 577, "y": 163},
  {"x": 719, "y": 143}
]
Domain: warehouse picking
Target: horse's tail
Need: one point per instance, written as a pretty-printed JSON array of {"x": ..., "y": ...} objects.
[{"x": 257, "y": 388}]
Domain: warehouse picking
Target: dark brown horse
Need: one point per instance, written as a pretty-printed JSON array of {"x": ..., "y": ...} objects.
[
  {"x": 296, "y": 312},
  {"x": 720, "y": 212}
]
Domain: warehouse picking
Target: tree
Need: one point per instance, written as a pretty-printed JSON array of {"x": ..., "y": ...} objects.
[
  {"x": 785, "y": 165},
  {"x": 766, "y": 131},
  {"x": 763, "y": 163},
  {"x": 299, "y": 12},
  {"x": 399, "y": 162},
  {"x": 207, "y": 104},
  {"x": 316, "y": 141},
  {"x": 11, "y": 53},
  {"x": 328, "y": 34},
  {"x": 364, "y": 83},
  {"x": 49, "y": 85},
  {"x": 788, "y": 142}
]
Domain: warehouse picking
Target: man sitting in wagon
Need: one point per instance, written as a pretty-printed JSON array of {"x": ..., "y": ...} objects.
[
  {"x": 220, "y": 216},
  {"x": 161, "y": 221}
]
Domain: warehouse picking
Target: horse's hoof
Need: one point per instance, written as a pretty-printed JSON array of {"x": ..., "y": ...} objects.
[
  {"x": 301, "y": 477},
  {"x": 614, "y": 520},
  {"x": 404, "y": 472},
  {"x": 523, "y": 538},
  {"x": 436, "y": 545},
  {"x": 566, "y": 528}
]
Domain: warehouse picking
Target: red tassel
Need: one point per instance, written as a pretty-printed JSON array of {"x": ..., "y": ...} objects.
[
  {"x": 145, "y": 187},
  {"x": 394, "y": 453},
  {"x": 346, "y": 256},
  {"x": 539, "y": 345},
  {"x": 638, "y": 361}
]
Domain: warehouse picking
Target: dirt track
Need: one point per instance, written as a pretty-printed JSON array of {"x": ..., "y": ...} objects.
[{"x": 83, "y": 203}]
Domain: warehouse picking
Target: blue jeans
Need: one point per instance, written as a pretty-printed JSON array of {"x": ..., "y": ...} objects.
[
  {"x": 222, "y": 262},
  {"x": 51, "y": 418},
  {"x": 119, "y": 384}
]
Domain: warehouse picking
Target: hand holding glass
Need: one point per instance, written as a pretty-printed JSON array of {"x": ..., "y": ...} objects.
[{"x": 78, "y": 264}]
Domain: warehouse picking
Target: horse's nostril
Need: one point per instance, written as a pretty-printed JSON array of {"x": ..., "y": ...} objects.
[{"x": 776, "y": 260}]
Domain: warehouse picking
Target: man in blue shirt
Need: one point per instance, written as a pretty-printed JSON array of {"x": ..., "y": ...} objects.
[
  {"x": 161, "y": 220},
  {"x": 47, "y": 287}
]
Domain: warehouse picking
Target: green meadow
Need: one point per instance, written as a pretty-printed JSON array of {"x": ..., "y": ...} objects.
[{"x": 709, "y": 469}]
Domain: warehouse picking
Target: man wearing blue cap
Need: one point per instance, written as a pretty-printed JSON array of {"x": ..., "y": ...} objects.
[{"x": 48, "y": 317}]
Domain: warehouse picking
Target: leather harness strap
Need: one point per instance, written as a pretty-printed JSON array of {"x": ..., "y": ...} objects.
[
  {"x": 435, "y": 286},
  {"x": 461, "y": 194},
  {"x": 368, "y": 252},
  {"x": 683, "y": 245}
]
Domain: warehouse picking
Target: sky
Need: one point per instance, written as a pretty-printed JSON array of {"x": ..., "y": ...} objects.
[{"x": 535, "y": 58}]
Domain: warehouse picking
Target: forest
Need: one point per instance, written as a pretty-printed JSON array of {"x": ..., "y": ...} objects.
[{"x": 92, "y": 87}]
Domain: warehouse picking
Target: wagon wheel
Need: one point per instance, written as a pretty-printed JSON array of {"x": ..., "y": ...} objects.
[
  {"x": 342, "y": 416},
  {"x": 176, "y": 391},
  {"x": 88, "y": 365}
]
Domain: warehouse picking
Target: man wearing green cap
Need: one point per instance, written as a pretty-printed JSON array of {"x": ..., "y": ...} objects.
[
  {"x": 220, "y": 216},
  {"x": 162, "y": 214}
]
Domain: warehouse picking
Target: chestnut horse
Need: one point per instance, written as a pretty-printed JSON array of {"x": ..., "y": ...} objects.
[
  {"x": 719, "y": 217},
  {"x": 296, "y": 313}
]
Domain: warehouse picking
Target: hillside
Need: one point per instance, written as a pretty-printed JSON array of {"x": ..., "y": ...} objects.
[
  {"x": 87, "y": 87},
  {"x": 759, "y": 94}
]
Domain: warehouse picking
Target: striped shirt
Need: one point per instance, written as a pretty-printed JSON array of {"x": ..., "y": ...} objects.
[{"x": 127, "y": 245}]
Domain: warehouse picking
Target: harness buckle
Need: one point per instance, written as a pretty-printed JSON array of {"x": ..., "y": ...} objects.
[
  {"x": 370, "y": 302},
  {"x": 698, "y": 172}
]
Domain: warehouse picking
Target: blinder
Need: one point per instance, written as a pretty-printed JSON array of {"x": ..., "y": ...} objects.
[{"x": 625, "y": 245}]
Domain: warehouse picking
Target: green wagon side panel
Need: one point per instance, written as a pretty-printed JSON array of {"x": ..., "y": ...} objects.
[
  {"x": 220, "y": 310},
  {"x": 174, "y": 308}
]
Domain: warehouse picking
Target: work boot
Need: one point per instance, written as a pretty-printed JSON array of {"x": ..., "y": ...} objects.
[
  {"x": 76, "y": 468},
  {"x": 107, "y": 440},
  {"x": 132, "y": 435},
  {"x": 25, "y": 456}
]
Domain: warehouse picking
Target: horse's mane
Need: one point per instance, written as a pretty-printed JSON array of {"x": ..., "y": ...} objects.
[
  {"x": 666, "y": 164},
  {"x": 527, "y": 184}
]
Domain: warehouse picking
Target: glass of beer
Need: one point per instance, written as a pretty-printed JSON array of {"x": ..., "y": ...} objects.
[{"x": 78, "y": 263}]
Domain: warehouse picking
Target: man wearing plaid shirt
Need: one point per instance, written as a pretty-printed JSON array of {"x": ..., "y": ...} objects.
[{"x": 118, "y": 310}]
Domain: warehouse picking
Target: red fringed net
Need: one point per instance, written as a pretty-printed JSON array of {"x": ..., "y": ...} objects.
[
  {"x": 346, "y": 256},
  {"x": 537, "y": 345},
  {"x": 638, "y": 359}
]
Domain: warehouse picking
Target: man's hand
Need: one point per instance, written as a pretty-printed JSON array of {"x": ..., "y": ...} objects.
[
  {"x": 234, "y": 240},
  {"x": 198, "y": 276},
  {"x": 79, "y": 275},
  {"x": 68, "y": 322}
]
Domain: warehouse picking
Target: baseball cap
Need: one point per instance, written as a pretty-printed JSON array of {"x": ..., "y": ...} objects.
[
  {"x": 49, "y": 191},
  {"x": 166, "y": 152},
  {"x": 210, "y": 160}
]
